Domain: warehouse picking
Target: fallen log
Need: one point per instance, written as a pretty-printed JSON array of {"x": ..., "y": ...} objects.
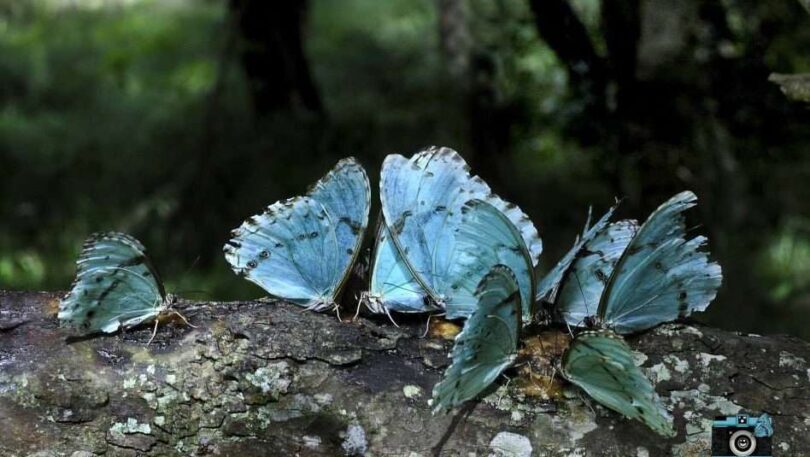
[{"x": 268, "y": 379}]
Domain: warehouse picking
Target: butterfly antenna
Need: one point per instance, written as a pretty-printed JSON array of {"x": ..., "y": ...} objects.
[
  {"x": 693, "y": 228},
  {"x": 582, "y": 293},
  {"x": 191, "y": 267}
]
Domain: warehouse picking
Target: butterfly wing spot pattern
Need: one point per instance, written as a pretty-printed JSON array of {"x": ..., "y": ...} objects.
[
  {"x": 487, "y": 345},
  {"x": 602, "y": 364},
  {"x": 302, "y": 249},
  {"x": 423, "y": 203},
  {"x": 662, "y": 275},
  {"x": 116, "y": 286}
]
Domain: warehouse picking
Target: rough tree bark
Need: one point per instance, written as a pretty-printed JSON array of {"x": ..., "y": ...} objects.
[{"x": 267, "y": 379}]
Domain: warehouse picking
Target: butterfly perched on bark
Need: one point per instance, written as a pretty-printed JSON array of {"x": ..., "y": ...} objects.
[
  {"x": 488, "y": 343},
  {"x": 623, "y": 278},
  {"x": 116, "y": 287},
  {"x": 630, "y": 278},
  {"x": 302, "y": 249},
  {"x": 422, "y": 202},
  {"x": 601, "y": 363}
]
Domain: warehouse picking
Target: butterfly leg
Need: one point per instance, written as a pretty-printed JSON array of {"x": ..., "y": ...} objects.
[
  {"x": 388, "y": 313},
  {"x": 570, "y": 332},
  {"x": 505, "y": 389},
  {"x": 184, "y": 318},
  {"x": 359, "y": 304},
  {"x": 154, "y": 332},
  {"x": 427, "y": 326}
]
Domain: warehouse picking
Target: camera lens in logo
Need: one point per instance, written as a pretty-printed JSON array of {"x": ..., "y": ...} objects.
[{"x": 742, "y": 443}]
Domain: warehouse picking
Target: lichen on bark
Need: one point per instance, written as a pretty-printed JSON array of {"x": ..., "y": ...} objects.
[{"x": 266, "y": 378}]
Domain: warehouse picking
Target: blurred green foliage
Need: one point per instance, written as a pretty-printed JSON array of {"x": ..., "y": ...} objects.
[{"x": 111, "y": 109}]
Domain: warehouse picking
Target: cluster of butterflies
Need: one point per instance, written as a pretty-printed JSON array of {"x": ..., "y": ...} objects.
[{"x": 445, "y": 244}]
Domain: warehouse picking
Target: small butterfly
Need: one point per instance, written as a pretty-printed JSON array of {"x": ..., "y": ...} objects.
[
  {"x": 422, "y": 200},
  {"x": 302, "y": 249},
  {"x": 639, "y": 276},
  {"x": 601, "y": 363},
  {"x": 488, "y": 343},
  {"x": 116, "y": 286}
]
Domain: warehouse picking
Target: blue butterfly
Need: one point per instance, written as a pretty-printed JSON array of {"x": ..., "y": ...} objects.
[
  {"x": 548, "y": 287},
  {"x": 422, "y": 200},
  {"x": 601, "y": 363},
  {"x": 392, "y": 287},
  {"x": 486, "y": 238},
  {"x": 488, "y": 343},
  {"x": 302, "y": 249},
  {"x": 116, "y": 286},
  {"x": 639, "y": 276}
]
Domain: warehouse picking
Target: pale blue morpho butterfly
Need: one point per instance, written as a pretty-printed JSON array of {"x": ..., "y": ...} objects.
[
  {"x": 302, "y": 249},
  {"x": 488, "y": 343},
  {"x": 116, "y": 287},
  {"x": 420, "y": 252}
]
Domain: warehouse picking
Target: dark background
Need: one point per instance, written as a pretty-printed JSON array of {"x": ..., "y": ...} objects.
[{"x": 175, "y": 120}]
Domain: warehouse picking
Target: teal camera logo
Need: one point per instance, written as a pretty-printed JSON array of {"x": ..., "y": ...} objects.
[{"x": 742, "y": 435}]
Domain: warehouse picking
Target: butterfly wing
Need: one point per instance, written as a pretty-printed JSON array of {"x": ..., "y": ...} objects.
[
  {"x": 601, "y": 363},
  {"x": 345, "y": 194},
  {"x": 486, "y": 238},
  {"x": 115, "y": 286},
  {"x": 548, "y": 287},
  {"x": 302, "y": 249},
  {"x": 585, "y": 281},
  {"x": 488, "y": 343},
  {"x": 661, "y": 276},
  {"x": 392, "y": 286},
  {"x": 422, "y": 199}
]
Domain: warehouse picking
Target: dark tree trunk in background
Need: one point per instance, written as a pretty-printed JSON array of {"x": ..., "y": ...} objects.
[
  {"x": 491, "y": 119},
  {"x": 272, "y": 55},
  {"x": 686, "y": 105},
  {"x": 454, "y": 37},
  {"x": 558, "y": 25}
]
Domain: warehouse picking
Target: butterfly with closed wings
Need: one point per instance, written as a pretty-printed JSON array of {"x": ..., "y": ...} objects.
[
  {"x": 488, "y": 343},
  {"x": 302, "y": 249},
  {"x": 116, "y": 287},
  {"x": 422, "y": 201},
  {"x": 640, "y": 277}
]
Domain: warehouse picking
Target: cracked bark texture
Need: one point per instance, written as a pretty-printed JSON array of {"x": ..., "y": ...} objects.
[{"x": 266, "y": 378}]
